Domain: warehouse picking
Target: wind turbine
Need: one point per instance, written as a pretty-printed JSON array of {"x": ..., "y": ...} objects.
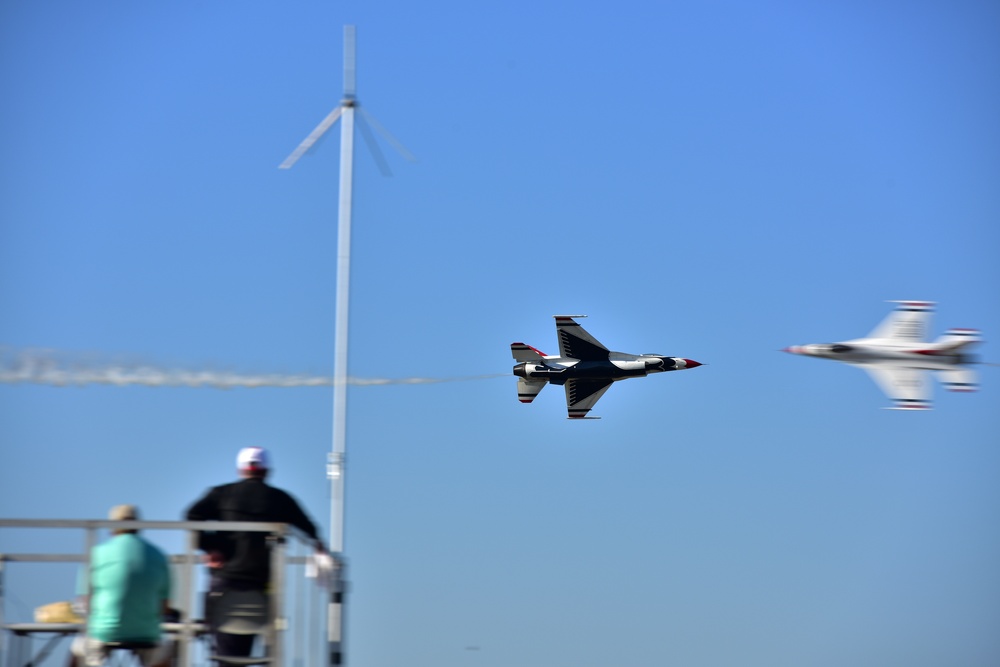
[{"x": 335, "y": 463}]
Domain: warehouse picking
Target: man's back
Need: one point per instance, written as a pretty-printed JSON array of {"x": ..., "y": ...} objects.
[
  {"x": 130, "y": 580},
  {"x": 245, "y": 554}
]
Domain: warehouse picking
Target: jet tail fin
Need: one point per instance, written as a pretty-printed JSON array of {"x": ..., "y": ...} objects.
[
  {"x": 526, "y": 391},
  {"x": 523, "y": 352},
  {"x": 954, "y": 340},
  {"x": 959, "y": 379}
]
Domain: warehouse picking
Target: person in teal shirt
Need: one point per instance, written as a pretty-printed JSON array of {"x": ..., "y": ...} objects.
[{"x": 129, "y": 593}]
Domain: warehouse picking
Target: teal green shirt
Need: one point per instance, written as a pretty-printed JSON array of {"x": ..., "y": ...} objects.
[{"x": 130, "y": 580}]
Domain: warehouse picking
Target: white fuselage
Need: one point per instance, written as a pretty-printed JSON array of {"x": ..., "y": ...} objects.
[{"x": 873, "y": 350}]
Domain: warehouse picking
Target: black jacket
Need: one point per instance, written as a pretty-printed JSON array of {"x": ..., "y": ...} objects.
[{"x": 247, "y": 558}]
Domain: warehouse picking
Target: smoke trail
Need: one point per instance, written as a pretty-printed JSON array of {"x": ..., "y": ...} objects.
[{"x": 51, "y": 368}]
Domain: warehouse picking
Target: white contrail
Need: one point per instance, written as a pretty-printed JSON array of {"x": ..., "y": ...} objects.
[{"x": 47, "y": 367}]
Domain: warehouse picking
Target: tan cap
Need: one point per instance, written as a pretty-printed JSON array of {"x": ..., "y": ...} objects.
[{"x": 124, "y": 513}]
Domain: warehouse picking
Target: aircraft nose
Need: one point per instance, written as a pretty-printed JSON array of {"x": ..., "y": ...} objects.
[
  {"x": 691, "y": 363},
  {"x": 794, "y": 349}
]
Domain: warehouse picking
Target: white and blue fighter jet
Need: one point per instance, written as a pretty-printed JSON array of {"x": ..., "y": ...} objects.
[
  {"x": 898, "y": 360},
  {"x": 583, "y": 366}
]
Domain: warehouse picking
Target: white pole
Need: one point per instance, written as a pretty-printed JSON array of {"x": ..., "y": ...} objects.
[
  {"x": 343, "y": 299},
  {"x": 340, "y": 336},
  {"x": 335, "y": 616}
]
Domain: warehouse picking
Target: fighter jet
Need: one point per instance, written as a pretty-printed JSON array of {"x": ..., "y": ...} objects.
[
  {"x": 898, "y": 359},
  {"x": 583, "y": 366}
]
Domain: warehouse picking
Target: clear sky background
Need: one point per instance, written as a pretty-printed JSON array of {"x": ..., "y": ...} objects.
[{"x": 710, "y": 180}]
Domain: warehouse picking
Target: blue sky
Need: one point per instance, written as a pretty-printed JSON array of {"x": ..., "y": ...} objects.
[{"x": 713, "y": 181}]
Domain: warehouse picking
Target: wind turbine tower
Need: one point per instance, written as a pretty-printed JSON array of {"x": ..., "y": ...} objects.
[
  {"x": 336, "y": 459},
  {"x": 335, "y": 466}
]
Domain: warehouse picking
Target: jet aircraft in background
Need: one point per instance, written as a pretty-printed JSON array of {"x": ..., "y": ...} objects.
[
  {"x": 898, "y": 359},
  {"x": 583, "y": 366}
]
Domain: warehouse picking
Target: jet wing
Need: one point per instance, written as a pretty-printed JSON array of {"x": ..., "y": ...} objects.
[
  {"x": 909, "y": 388},
  {"x": 582, "y": 395},
  {"x": 576, "y": 343},
  {"x": 908, "y": 323}
]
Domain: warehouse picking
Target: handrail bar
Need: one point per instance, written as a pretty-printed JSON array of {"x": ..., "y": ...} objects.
[
  {"x": 175, "y": 559},
  {"x": 94, "y": 524}
]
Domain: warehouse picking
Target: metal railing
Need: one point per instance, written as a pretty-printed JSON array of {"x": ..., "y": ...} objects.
[{"x": 298, "y": 607}]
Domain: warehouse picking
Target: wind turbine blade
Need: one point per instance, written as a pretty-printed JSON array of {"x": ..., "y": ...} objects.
[
  {"x": 313, "y": 137},
  {"x": 350, "y": 63},
  {"x": 369, "y": 138},
  {"x": 393, "y": 141}
]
